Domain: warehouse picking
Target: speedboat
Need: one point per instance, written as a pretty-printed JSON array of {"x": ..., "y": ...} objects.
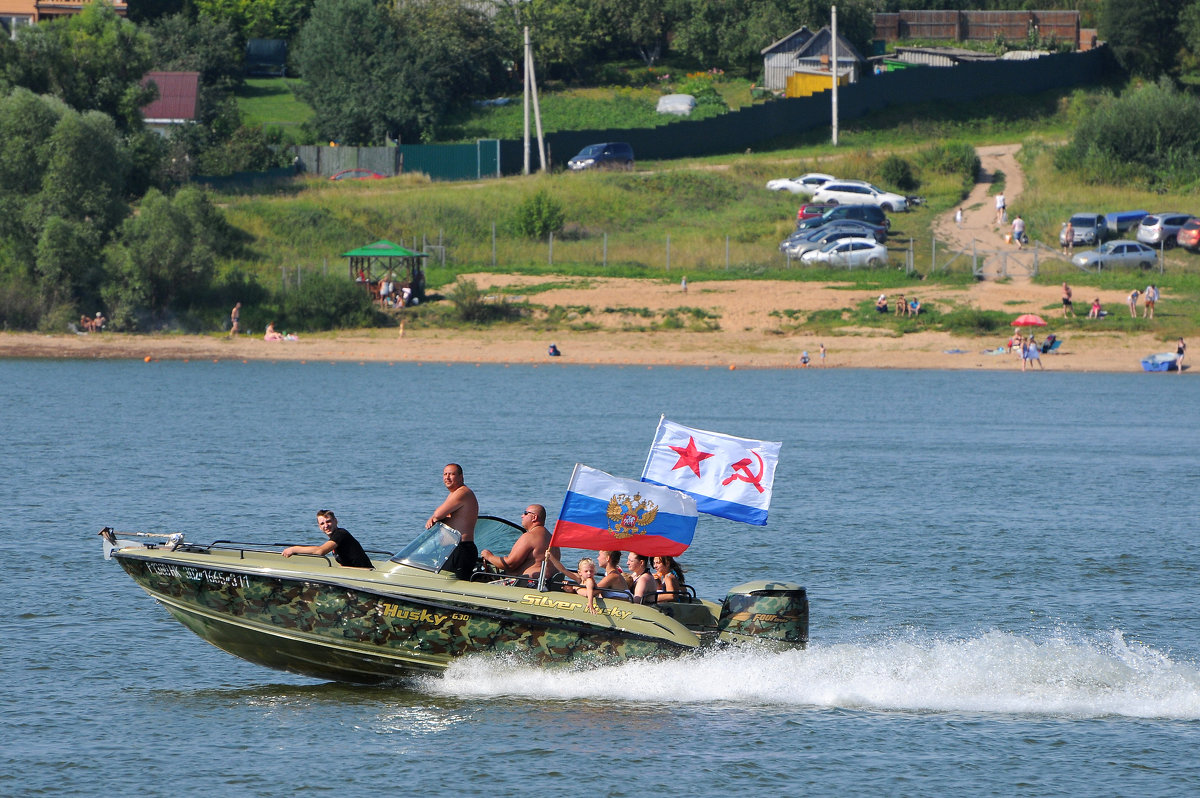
[
  {"x": 405, "y": 615},
  {"x": 1163, "y": 361}
]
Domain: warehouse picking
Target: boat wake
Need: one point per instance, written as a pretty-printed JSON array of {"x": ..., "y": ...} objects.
[{"x": 1057, "y": 675}]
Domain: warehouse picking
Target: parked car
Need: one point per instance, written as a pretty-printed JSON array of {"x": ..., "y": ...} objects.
[
  {"x": 804, "y": 184},
  {"x": 1189, "y": 235},
  {"x": 849, "y": 253},
  {"x": 609, "y": 155},
  {"x": 820, "y": 237},
  {"x": 854, "y": 192},
  {"x": 1161, "y": 228},
  {"x": 1089, "y": 229},
  {"x": 1117, "y": 253},
  {"x": 871, "y": 214},
  {"x": 810, "y": 210},
  {"x": 798, "y": 242}
]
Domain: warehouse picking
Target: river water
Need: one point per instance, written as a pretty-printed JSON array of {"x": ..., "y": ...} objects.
[{"x": 1002, "y": 571}]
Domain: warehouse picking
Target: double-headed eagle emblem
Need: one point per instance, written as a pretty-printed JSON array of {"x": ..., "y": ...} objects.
[{"x": 630, "y": 515}]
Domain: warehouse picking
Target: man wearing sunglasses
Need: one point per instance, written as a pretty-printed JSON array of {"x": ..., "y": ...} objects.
[{"x": 527, "y": 553}]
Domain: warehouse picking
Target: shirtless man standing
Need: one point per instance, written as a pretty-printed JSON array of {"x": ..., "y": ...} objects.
[
  {"x": 530, "y": 549},
  {"x": 460, "y": 511}
]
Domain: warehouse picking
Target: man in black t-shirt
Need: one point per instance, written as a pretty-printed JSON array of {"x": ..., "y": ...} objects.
[{"x": 346, "y": 550}]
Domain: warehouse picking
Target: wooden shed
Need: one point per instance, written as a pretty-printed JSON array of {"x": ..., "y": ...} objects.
[{"x": 809, "y": 54}]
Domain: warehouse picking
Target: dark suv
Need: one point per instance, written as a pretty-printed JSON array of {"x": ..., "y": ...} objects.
[
  {"x": 871, "y": 214},
  {"x": 609, "y": 155}
]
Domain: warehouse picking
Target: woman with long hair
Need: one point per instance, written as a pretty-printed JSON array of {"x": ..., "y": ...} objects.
[{"x": 669, "y": 576}]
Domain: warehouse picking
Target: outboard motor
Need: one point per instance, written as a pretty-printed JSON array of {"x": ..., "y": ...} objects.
[{"x": 775, "y": 613}]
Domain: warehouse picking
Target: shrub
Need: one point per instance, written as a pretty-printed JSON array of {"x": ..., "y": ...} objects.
[
  {"x": 323, "y": 302},
  {"x": 1147, "y": 135},
  {"x": 897, "y": 172},
  {"x": 538, "y": 216},
  {"x": 471, "y": 305}
]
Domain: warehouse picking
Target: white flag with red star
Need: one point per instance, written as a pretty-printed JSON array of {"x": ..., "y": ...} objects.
[{"x": 727, "y": 476}]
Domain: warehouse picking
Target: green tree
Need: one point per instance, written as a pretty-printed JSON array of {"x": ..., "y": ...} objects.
[
  {"x": 731, "y": 35},
  {"x": 93, "y": 60},
  {"x": 205, "y": 45},
  {"x": 568, "y": 36},
  {"x": 164, "y": 255},
  {"x": 370, "y": 74},
  {"x": 353, "y": 75},
  {"x": 258, "y": 19},
  {"x": 642, "y": 24},
  {"x": 1144, "y": 36},
  {"x": 68, "y": 263},
  {"x": 1189, "y": 32}
]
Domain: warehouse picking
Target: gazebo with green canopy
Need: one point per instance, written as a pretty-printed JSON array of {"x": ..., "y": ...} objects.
[{"x": 376, "y": 260}]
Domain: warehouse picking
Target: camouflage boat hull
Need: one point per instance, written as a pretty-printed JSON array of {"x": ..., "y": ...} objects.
[{"x": 309, "y": 616}]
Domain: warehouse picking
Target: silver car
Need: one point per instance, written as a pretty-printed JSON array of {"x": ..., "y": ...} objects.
[
  {"x": 819, "y": 238},
  {"x": 849, "y": 253},
  {"x": 1087, "y": 229},
  {"x": 1161, "y": 228},
  {"x": 1117, "y": 253}
]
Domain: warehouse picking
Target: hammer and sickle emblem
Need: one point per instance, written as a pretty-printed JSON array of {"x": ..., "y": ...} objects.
[{"x": 746, "y": 475}]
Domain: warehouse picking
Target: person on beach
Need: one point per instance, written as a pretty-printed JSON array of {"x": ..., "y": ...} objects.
[
  {"x": 459, "y": 511},
  {"x": 527, "y": 553},
  {"x": 958, "y": 217},
  {"x": 1150, "y": 299},
  {"x": 683, "y": 284},
  {"x": 1180, "y": 351},
  {"x": 1068, "y": 238},
  {"x": 234, "y": 316},
  {"x": 1035, "y": 354},
  {"x": 881, "y": 304},
  {"x": 901, "y": 305},
  {"x": 272, "y": 334},
  {"x": 1068, "y": 307},
  {"x": 1018, "y": 231},
  {"x": 1094, "y": 313},
  {"x": 822, "y": 350},
  {"x": 804, "y": 359},
  {"x": 1133, "y": 298},
  {"x": 1000, "y": 206},
  {"x": 346, "y": 550}
]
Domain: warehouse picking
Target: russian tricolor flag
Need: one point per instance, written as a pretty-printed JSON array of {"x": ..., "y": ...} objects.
[
  {"x": 601, "y": 511},
  {"x": 727, "y": 476}
]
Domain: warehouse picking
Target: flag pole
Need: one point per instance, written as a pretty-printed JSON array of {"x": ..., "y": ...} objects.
[
  {"x": 542, "y": 576},
  {"x": 661, "y": 418}
]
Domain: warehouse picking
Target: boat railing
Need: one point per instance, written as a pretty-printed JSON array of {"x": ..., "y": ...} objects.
[{"x": 274, "y": 548}]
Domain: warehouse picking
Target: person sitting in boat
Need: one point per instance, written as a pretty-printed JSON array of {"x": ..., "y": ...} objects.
[
  {"x": 614, "y": 577},
  {"x": 527, "y": 553},
  {"x": 639, "y": 579},
  {"x": 346, "y": 550},
  {"x": 584, "y": 576},
  {"x": 669, "y": 576}
]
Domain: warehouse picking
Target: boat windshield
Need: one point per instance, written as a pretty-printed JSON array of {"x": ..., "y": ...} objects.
[
  {"x": 433, "y": 546},
  {"x": 431, "y": 549}
]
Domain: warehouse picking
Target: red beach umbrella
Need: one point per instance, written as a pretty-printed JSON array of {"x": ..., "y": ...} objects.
[{"x": 1029, "y": 320}]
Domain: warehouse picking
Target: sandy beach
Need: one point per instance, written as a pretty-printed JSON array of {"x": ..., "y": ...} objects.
[
  {"x": 752, "y": 332},
  {"x": 749, "y": 335}
]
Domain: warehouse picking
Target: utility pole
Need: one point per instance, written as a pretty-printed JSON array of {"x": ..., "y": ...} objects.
[
  {"x": 833, "y": 47},
  {"x": 525, "y": 71},
  {"x": 531, "y": 90}
]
